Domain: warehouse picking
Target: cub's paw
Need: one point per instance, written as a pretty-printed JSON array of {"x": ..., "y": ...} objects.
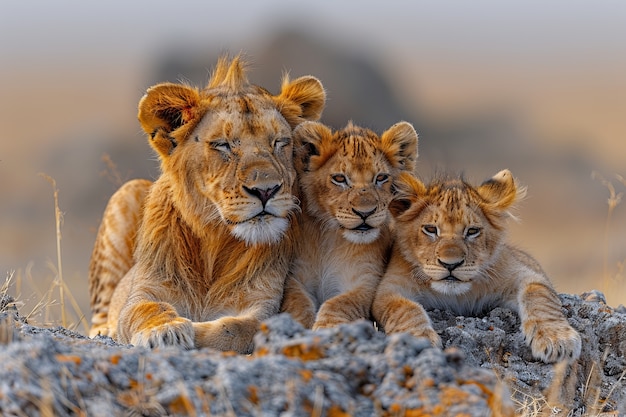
[
  {"x": 177, "y": 332},
  {"x": 327, "y": 323},
  {"x": 430, "y": 334},
  {"x": 552, "y": 341}
]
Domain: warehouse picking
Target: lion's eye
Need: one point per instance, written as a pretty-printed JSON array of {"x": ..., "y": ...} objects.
[
  {"x": 281, "y": 143},
  {"x": 430, "y": 230},
  {"x": 381, "y": 179},
  {"x": 339, "y": 179},
  {"x": 472, "y": 232},
  {"x": 220, "y": 145}
]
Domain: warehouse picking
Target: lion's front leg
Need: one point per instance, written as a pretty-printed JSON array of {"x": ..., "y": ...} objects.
[
  {"x": 298, "y": 303},
  {"x": 227, "y": 333},
  {"x": 154, "y": 324},
  {"x": 345, "y": 308},
  {"x": 547, "y": 332}
]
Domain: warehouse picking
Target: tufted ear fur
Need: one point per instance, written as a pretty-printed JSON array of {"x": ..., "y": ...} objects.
[
  {"x": 400, "y": 142},
  {"x": 500, "y": 191},
  {"x": 309, "y": 138},
  {"x": 409, "y": 198},
  {"x": 163, "y": 109},
  {"x": 301, "y": 99}
]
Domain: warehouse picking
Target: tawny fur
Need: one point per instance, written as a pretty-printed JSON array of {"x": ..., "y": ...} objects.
[
  {"x": 217, "y": 231},
  {"x": 450, "y": 253},
  {"x": 112, "y": 253},
  {"x": 346, "y": 182}
]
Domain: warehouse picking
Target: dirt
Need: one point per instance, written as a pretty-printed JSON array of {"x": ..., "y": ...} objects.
[{"x": 352, "y": 370}]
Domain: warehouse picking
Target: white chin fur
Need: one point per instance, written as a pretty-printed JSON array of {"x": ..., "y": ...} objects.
[
  {"x": 451, "y": 288},
  {"x": 259, "y": 231},
  {"x": 361, "y": 238}
]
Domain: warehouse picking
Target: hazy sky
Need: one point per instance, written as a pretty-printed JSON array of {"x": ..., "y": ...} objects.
[
  {"x": 574, "y": 32},
  {"x": 560, "y": 58}
]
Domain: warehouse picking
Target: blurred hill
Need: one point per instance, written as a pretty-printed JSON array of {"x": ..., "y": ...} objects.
[
  {"x": 358, "y": 89},
  {"x": 562, "y": 220}
]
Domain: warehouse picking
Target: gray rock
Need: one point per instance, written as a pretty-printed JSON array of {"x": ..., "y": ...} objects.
[{"x": 485, "y": 369}]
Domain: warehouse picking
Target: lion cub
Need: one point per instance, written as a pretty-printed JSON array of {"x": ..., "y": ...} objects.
[
  {"x": 450, "y": 254},
  {"x": 346, "y": 181}
]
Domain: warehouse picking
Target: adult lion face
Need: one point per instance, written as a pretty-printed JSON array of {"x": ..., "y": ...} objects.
[{"x": 228, "y": 150}]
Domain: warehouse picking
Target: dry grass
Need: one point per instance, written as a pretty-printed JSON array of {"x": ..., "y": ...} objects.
[
  {"x": 610, "y": 281},
  {"x": 58, "y": 216},
  {"x": 112, "y": 173},
  {"x": 45, "y": 309},
  {"x": 562, "y": 390}
]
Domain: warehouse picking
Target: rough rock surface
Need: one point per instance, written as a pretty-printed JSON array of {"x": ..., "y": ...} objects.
[{"x": 353, "y": 370}]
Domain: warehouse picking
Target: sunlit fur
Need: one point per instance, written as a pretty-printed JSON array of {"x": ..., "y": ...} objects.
[
  {"x": 213, "y": 235},
  {"x": 450, "y": 253},
  {"x": 341, "y": 254},
  {"x": 113, "y": 250}
]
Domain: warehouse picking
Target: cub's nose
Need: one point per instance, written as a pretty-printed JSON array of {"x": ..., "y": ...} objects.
[
  {"x": 363, "y": 214},
  {"x": 451, "y": 266}
]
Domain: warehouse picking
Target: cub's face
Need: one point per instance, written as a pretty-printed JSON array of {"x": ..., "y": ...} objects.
[
  {"x": 346, "y": 177},
  {"x": 450, "y": 231},
  {"x": 351, "y": 194}
]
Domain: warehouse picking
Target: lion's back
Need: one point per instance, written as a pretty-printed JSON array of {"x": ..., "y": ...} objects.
[{"x": 112, "y": 256}]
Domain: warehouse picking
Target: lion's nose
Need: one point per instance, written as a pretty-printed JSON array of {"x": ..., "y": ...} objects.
[
  {"x": 451, "y": 266},
  {"x": 263, "y": 194}
]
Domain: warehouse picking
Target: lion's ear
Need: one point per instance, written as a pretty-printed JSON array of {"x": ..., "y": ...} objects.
[
  {"x": 309, "y": 138},
  {"x": 500, "y": 191},
  {"x": 301, "y": 99},
  {"x": 163, "y": 109},
  {"x": 400, "y": 142},
  {"x": 409, "y": 196}
]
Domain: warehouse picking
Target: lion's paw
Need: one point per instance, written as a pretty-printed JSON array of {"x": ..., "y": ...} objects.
[
  {"x": 177, "y": 332},
  {"x": 552, "y": 342}
]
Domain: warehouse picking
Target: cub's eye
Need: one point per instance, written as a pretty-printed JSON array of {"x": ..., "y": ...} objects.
[
  {"x": 220, "y": 145},
  {"x": 281, "y": 143},
  {"x": 430, "y": 230},
  {"x": 339, "y": 179},
  {"x": 472, "y": 232},
  {"x": 381, "y": 179}
]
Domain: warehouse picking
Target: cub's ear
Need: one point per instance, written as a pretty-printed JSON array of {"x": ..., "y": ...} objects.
[
  {"x": 500, "y": 191},
  {"x": 400, "y": 142},
  {"x": 163, "y": 109},
  {"x": 308, "y": 139},
  {"x": 301, "y": 99},
  {"x": 409, "y": 197}
]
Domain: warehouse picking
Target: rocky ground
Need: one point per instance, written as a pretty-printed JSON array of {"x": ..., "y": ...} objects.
[{"x": 353, "y": 370}]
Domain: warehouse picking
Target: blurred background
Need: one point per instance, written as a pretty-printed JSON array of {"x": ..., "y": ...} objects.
[{"x": 537, "y": 87}]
